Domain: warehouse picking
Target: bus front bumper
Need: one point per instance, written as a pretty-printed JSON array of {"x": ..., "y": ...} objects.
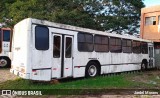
[{"x": 20, "y": 74}]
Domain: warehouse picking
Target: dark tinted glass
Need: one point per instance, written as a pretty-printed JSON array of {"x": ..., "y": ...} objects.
[
  {"x": 101, "y": 43},
  {"x": 115, "y": 45},
  {"x": 118, "y": 41},
  {"x": 97, "y": 39},
  {"x": 129, "y": 43},
  {"x": 82, "y": 47},
  {"x": 112, "y": 41},
  {"x": 68, "y": 49},
  {"x": 56, "y": 46},
  {"x": 144, "y": 47},
  {"x": 104, "y": 40},
  {"x": 136, "y": 47},
  {"x": 126, "y": 46},
  {"x": 41, "y": 38},
  {"x": 101, "y": 48},
  {"x": 89, "y": 38},
  {"x": 81, "y": 37},
  {"x": 85, "y": 42},
  {"x": 124, "y": 42},
  {"x": 6, "y": 35}
]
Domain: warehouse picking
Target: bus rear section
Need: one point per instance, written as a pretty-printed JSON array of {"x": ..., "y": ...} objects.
[
  {"x": 19, "y": 49},
  {"x": 5, "y": 37}
]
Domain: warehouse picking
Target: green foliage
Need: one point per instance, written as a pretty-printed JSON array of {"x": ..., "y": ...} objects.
[
  {"x": 119, "y": 15},
  {"x": 113, "y": 15}
]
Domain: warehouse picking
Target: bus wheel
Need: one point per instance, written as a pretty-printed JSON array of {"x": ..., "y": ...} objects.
[
  {"x": 4, "y": 62},
  {"x": 92, "y": 69},
  {"x": 143, "y": 66}
]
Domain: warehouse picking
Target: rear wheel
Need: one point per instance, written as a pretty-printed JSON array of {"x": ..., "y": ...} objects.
[
  {"x": 92, "y": 69},
  {"x": 143, "y": 66},
  {"x": 5, "y": 62}
]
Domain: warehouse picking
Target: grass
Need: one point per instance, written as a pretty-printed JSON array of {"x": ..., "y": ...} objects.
[
  {"x": 91, "y": 83},
  {"x": 122, "y": 81},
  {"x": 114, "y": 81}
]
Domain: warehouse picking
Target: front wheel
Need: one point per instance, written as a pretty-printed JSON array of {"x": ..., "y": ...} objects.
[
  {"x": 5, "y": 62},
  {"x": 92, "y": 70}
]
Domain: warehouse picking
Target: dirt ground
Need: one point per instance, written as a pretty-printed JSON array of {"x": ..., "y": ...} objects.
[{"x": 6, "y": 75}]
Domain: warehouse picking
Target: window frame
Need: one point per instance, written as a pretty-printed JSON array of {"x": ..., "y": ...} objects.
[
  {"x": 44, "y": 49},
  {"x": 70, "y": 48},
  {"x": 59, "y": 54},
  {"x": 142, "y": 47},
  {"x": 115, "y": 44},
  {"x": 96, "y": 35},
  {"x": 84, "y": 42},
  {"x": 136, "y": 47},
  {"x": 127, "y": 46},
  {"x": 150, "y": 21},
  {"x": 8, "y": 36}
]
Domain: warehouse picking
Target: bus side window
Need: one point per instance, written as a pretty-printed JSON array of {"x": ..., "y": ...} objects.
[
  {"x": 6, "y": 35},
  {"x": 136, "y": 46},
  {"x": 115, "y": 45},
  {"x": 41, "y": 38},
  {"x": 144, "y": 46},
  {"x": 127, "y": 46},
  {"x": 101, "y": 43},
  {"x": 85, "y": 42}
]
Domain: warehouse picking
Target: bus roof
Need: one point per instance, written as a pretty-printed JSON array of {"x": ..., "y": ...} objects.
[
  {"x": 5, "y": 28},
  {"x": 79, "y": 29}
]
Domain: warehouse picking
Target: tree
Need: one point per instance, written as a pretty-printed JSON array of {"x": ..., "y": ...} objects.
[
  {"x": 62, "y": 11},
  {"x": 106, "y": 15},
  {"x": 117, "y": 15}
]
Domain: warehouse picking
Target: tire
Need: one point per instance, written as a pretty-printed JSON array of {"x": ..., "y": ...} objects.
[
  {"x": 143, "y": 66},
  {"x": 5, "y": 62},
  {"x": 92, "y": 70}
]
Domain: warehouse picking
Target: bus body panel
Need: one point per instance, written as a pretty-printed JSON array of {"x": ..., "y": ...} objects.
[
  {"x": 51, "y": 63},
  {"x": 20, "y": 49},
  {"x": 5, "y": 49}
]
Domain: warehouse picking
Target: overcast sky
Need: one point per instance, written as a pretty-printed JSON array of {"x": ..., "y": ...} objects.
[{"x": 151, "y": 2}]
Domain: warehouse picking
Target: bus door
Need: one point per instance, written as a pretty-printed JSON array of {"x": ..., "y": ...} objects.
[
  {"x": 62, "y": 56},
  {"x": 151, "y": 56}
]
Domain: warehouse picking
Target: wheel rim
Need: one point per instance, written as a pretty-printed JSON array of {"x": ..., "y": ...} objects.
[
  {"x": 3, "y": 62},
  {"x": 92, "y": 70},
  {"x": 143, "y": 66}
]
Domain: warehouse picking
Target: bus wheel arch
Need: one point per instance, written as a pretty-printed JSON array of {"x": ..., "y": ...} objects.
[
  {"x": 5, "y": 62},
  {"x": 93, "y": 68},
  {"x": 144, "y": 64}
]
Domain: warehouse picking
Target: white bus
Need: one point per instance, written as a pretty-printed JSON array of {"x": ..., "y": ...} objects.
[
  {"x": 5, "y": 47},
  {"x": 43, "y": 50}
]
